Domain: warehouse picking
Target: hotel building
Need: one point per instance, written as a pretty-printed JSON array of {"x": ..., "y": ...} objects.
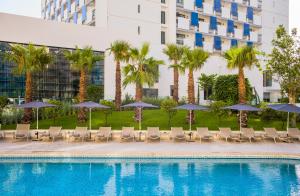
[{"x": 214, "y": 25}]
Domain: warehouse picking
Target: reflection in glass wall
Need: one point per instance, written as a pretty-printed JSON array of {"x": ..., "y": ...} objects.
[{"x": 57, "y": 81}]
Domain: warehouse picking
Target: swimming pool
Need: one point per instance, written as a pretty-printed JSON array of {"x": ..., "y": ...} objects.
[{"x": 103, "y": 176}]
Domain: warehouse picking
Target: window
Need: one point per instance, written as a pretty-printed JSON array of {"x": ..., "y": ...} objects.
[
  {"x": 150, "y": 92},
  {"x": 163, "y": 37},
  {"x": 267, "y": 96},
  {"x": 267, "y": 79},
  {"x": 139, "y": 30},
  {"x": 163, "y": 17},
  {"x": 163, "y": 1},
  {"x": 139, "y": 8}
]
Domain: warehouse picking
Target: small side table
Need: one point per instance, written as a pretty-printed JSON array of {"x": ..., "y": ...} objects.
[
  {"x": 190, "y": 134},
  {"x": 37, "y": 137},
  {"x": 140, "y": 137}
]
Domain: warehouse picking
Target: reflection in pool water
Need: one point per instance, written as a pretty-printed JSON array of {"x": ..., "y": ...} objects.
[{"x": 150, "y": 177}]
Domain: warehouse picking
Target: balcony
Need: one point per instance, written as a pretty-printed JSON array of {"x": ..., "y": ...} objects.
[
  {"x": 254, "y": 36},
  {"x": 225, "y": 12},
  {"x": 207, "y": 9},
  {"x": 185, "y": 41},
  {"x": 222, "y": 30},
  {"x": 208, "y": 47},
  {"x": 257, "y": 20},
  {"x": 204, "y": 27},
  {"x": 183, "y": 23},
  {"x": 238, "y": 34},
  {"x": 189, "y": 4},
  {"x": 242, "y": 16}
]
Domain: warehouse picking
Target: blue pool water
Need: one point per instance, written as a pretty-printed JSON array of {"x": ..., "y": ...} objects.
[{"x": 44, "y": 177}]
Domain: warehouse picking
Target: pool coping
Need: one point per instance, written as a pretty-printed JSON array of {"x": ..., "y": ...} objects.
[{"x": 231, "y": 155}]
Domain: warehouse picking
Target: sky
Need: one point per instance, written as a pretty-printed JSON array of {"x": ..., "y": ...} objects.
[{"x": 33, "y": 8}]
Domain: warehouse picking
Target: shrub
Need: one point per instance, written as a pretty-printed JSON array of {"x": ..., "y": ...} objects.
[
  {"x": 168, "y": 106},
  {"x": 226, "y": 89},
  {"x": 153, "y": 101},
  {"x": 3, "y": 103},
  {"x": 95, "y": 93},
  {"x": 11, "y": 116},
  {"x": 128, "y": 99},
  {"x": 216, "y": 107}
]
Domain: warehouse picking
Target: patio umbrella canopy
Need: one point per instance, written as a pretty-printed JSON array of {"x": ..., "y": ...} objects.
[
  {"x": 190, "y": 108},
  {"x": 37, "y": 105},
  {"x": 241, "y": 108},
  {"x": 139, "y": 105},
  {"x": 289, "y": 108},
  {"x": 90, "y": 105}
]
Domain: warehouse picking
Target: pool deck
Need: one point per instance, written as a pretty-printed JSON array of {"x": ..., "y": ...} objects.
[{"x": 142, "y": 149}]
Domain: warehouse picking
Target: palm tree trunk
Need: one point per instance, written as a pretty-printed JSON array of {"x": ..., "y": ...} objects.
[
  {"x": 242, "y": 96},
  {"x": 191, "y": 94},
  {"x": 191, "y": 87},
  {"x": 138, "y": 97},
  {"x": 82, "y": 95},
  {"x": 28, "y": 98},
  {"x": 292, "y": 100},
  {"x": 118, "y": 92},
  {"x": 176, "y": 84}
]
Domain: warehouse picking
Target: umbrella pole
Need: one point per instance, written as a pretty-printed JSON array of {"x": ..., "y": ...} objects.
[
  {"x": 240, "y": 121},
  {"x": 190, "y": 120},
  {"x": 90, "y": 118},
  {"x": 288, "y": 121},
  {"x": 37, "y": 118},
  {"x": 140, "y": 118}
]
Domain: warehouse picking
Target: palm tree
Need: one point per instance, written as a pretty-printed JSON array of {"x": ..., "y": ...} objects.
[
  {"x": 193, "y": 60},
  {"x": 29, "y": 60},
  {"x": 240, "y": 58},
  {"x": 120, "y": 50},
  {"x": 82, "y": 60},
  {"x": 141, "y": 70},
  {"x": 175, "y": 53}
]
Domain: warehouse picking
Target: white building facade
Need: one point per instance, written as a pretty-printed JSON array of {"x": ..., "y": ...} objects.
[{"x": 214, "y": 25}]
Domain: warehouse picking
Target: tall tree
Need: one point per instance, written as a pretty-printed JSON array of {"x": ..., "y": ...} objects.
[
  {"x": 240, "y": 58},
  {"x": 120, "y": 51},
  {"x": 193, "y": 60},
  {"x": 284, "y": 63},
  {"x": 141, "y": 70},
  {"x": 175, "y": 53},
  {"x": 29, "y": 60},
  {"x": 82, "y": 60}
]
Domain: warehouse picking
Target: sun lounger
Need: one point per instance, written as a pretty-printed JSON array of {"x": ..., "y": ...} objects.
[
  {"x": 104, "y": 133},
  {"x": 226, "y": 133},
  {"x": 127, "y": 134},
  {"x": 294, "y": 133},
  {"x": 53, "y": 133},
  {"x": 80, "y": 133},
  {"x": 203, "y": 133},
  {"x": 153, "y": 134},
  {"x": 177, "y": 134},
  {"x": 273, "y": 134},
  {"x": 22, "y": 132},
  {"x": 248, "y": 133}
]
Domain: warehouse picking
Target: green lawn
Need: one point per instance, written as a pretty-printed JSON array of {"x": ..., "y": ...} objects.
[{"x": 155, "y": 118}]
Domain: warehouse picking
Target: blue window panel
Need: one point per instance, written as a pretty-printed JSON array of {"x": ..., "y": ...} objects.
[
  {"x": 234, "y": 9},
  {"x": 230, "y": 26},
  {"x": 246, "y": 29},
  {"x": 234, "y": 43},
  {"x": 198, "y": 40},
  {"x": 194, "y": 19},
  {"x": 213, "y": 23},
  {"x": 62, "y": 11},
  {"x": 217, "y": 43},
  {"x": 250, "y": 13},
  {"x": 83, "y": 16},
  {"x": 69, "y": 5},
  {"x": 75, "y": 17},
  {"x": 217, "y": 6},
  {"x": 250, "y": 44},
  {"x": 199, "y": 3}
]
